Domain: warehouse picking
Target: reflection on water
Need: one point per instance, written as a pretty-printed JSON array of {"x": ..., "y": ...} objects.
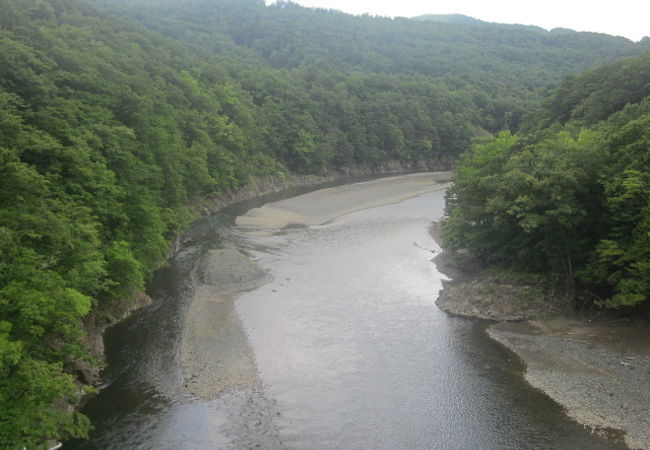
[
  {"x": 350, "y": 344},
  {"x": 351, "y": 349}
]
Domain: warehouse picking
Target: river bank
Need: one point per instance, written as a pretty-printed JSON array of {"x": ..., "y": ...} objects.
[
  {"x": 598, "y": 369},
  {"x": 214, "y": 352},
  {"x": 342, "y": 348},
  {"x": 216, "y": 357},
  {"x": 105, "y": 315}
]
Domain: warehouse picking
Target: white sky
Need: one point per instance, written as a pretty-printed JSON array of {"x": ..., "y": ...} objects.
[{"x": 628, "y": 18}]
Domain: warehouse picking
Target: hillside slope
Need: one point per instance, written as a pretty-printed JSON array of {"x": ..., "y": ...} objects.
[
  {"x": 569, "y": 199},
  {"x": 111, "y": 126}
]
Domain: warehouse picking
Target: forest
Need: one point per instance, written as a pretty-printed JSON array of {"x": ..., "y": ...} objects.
[
  {"x": 115, "y": 116},
  {"x": 568, "y": 198}
]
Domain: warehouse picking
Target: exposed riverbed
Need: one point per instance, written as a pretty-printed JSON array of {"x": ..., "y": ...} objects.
[{"x": 318, "y": 330}]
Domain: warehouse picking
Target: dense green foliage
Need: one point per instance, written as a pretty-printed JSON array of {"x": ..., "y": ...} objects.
[
  {"x": 501, "y": 70},
  {"x": 110, "y": 127},
  {"x": 571, "y": 197},
  {"x": 466, "y": 20},
  {"x": 594, "y": 95}
]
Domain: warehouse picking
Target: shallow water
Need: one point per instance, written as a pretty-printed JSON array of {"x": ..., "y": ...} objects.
[{"x": 352, "y": 352}]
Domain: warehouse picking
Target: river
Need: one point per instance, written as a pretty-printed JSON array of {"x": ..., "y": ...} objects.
[{"x": 349, "y": 348}]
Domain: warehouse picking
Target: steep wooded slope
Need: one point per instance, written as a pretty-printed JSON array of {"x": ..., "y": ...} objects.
[
  {"x": 570, "y": 198},
  {"x": 108, "y": 130}
]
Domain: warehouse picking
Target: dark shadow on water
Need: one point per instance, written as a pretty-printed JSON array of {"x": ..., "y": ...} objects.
[
  {"x": 505, "y": 370},
  {"x": 142, "y": 377}
]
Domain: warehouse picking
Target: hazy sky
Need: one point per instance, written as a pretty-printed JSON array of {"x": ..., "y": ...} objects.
[{"x": 629, "y": 18}]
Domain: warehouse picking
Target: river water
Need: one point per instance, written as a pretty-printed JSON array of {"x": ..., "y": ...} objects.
[{"x": 351, "y": 350}]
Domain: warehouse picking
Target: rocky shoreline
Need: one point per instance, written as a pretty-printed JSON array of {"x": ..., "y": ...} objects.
[
  {"x": 601, "y": 384},
  {"x": 597, "y": 368},
  {"x": 216, "y": 359},
  {"x": 214, "y": 352}
]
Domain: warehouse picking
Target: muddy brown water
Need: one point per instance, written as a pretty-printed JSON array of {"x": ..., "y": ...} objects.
[{"x": 351, "y": 350}]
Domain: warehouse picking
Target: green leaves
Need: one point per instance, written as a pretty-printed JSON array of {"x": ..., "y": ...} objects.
[
  {"x": 10, "y": 350},
  {"x": 621, "y": 260},
  {"x": 126, "y": 272},
  {"x": 39, "y": 318},
  {"x": 598, "y": 93},
  {"x": 568, "y": 201},
  {"x": 30, "y": 388},
  {"x": 108, "y": 131},
  {"x": 478, "y": 216}
]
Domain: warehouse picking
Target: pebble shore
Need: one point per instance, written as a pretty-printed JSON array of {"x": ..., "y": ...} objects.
[{"x": 597, "y": 369}]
